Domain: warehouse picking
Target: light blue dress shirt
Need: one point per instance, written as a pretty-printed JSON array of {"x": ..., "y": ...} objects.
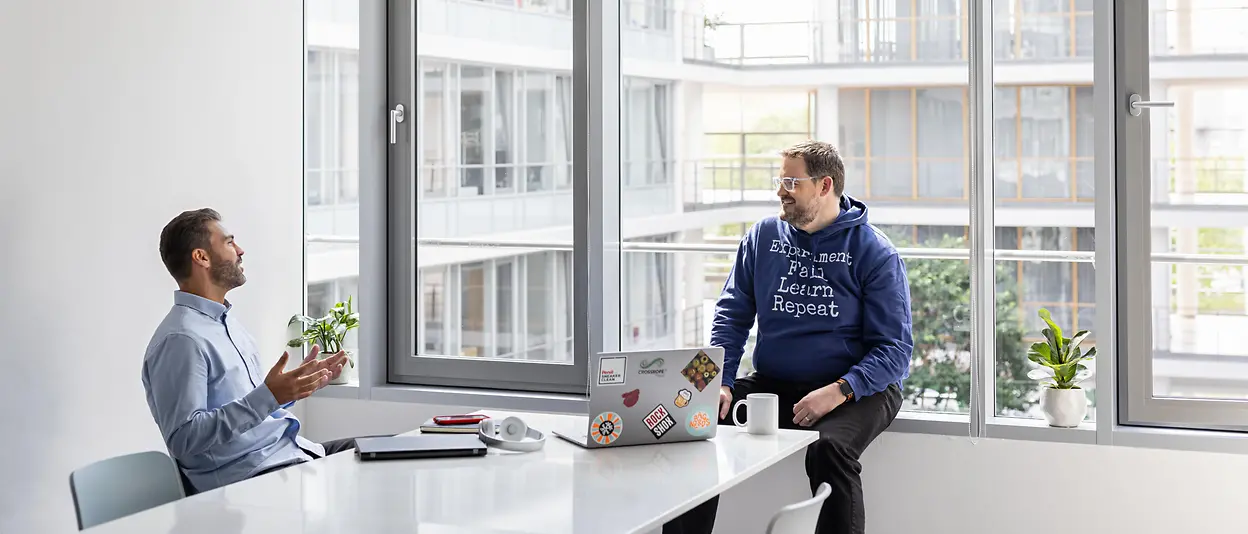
[{"x": 205, "y": 388}]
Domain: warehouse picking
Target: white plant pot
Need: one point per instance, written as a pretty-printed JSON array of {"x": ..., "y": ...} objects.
[
  {"x": 349, "y": 372},
  {"x": 1064, "y": 408}
]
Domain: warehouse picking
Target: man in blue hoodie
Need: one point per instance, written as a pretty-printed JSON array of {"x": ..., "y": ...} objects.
[{"x": 833, "y": 307}]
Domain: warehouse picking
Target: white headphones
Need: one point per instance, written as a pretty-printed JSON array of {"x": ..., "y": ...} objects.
[{"x": 511, "y": 434}]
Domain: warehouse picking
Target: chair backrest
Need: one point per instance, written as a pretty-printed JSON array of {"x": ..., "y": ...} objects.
[
  {"x": 120, "y": 486},
  {"x": 802, "y": 517}
]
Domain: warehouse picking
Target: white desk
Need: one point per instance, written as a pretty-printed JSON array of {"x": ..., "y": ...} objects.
[{"x": 561, "y": 489}]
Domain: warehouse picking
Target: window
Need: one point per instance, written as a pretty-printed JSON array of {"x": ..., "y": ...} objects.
[
  {"x": 916, "y": 145},
  {"x": 741, "y": 140},
  {"x": 1043, "y": 263},
  {"x": 645, "y": 119},
  {"x": 1187, "y": 310},
  {"x": 487, "y": 168},
  {"x": 516, "y": 195},
  {"x": 332, "y": 160}
]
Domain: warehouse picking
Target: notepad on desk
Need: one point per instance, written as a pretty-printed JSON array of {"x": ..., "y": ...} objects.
[{"x": 430, "y": 427}]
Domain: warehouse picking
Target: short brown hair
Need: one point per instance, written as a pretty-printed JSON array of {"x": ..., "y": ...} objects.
[
  {"x": 185, "y": 233},
  {"x": 821, "y": 159}
]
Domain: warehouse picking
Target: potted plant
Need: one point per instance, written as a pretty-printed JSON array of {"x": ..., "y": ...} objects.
[
  {"x": 1061, "y": 369},
  {"x": 709, "y": 24},
  {"x": 329, "y": 332}
]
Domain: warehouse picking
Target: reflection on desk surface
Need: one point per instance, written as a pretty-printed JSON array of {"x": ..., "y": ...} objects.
[{"x": 562, "y": 488}]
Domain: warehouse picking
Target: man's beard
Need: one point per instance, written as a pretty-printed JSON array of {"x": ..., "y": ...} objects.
[
  {"x": 227, "y": 274},
  {"x": 797, "y": 215}
]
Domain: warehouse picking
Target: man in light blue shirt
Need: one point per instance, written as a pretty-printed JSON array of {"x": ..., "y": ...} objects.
[{"x": 222, "y": 418}]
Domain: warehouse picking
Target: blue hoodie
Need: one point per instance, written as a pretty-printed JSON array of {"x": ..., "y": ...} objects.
[{"x": 832, "y": 304}]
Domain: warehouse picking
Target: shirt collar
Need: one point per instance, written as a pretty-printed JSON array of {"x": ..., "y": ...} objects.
[{"x": 202, "y": 305}]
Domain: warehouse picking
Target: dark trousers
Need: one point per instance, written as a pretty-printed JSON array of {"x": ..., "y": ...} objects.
[
  {"x": 331, "y": 447},
  {"x": 844, "y": 434}
]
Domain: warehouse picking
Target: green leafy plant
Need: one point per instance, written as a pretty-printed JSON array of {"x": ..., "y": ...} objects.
[
  {"x": 940, "y": 300},
  {"x": 711, "y": 22},
  {"x": 1060, "y": 358},
  {"x": 329, "y": 331}
]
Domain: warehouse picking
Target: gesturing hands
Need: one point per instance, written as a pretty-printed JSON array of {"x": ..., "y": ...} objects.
[{"x": 302, "y": 381}]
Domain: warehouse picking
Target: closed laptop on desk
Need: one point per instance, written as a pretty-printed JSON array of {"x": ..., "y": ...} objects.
[{"x": 409, "y": 447}]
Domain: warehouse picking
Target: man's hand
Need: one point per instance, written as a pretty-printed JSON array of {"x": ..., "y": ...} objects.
[
  {"x": 817, "y": 404},
  {"x": 299, "y": 382},
  {"x": 334, "y": 364},
  {"x": 725, "y": 401}
]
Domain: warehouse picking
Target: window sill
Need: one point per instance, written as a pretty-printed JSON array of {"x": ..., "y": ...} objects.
[
  {"x": 350, "y": 390},
  {"x": 1180, "y": 439},
  {"x": 483, "y": 398},
  {"x": 942, "y": 424},
  {"x": 1039, "y": 430},
  {"x": 945, "y": 424}
]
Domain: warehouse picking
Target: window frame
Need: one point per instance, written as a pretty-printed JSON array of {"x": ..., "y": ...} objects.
[
  {"x": 1139, "y": 406},
  {"x": 595, "y": 245},
  {"x": 1126, "y": 413}
]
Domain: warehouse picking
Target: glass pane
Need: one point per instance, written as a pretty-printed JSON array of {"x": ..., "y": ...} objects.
[
  {"x": 494, "y": 149},
  {"x": 434, "y": 159},
  {"x": 941, "y": 142},
  {"x": 433, "y": 310},
  {"x": 852, "y": 116},
  {"x": 505, "y": 308},
  {"x": 646, "y": 300},
  {"x": 539, "y": 296},
  {"x": 1199, "y": 197},
  {"x": 332, "y": 162},
  {"x": 892, "y": 178},
  {"x": 537, "y": 103},
  {"x": 900, "y": 145},
  {"x": 472, "y": 298},
  {"x": 504, "y": 124},
  {"x": 1044, "y": 160}
]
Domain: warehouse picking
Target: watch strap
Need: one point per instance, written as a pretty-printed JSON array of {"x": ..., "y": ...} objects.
[{"x": 845, "y": 388}]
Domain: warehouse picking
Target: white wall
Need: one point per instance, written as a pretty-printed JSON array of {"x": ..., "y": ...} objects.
[
  {"x": 118, "y": 115},
  {"x": 946, "y": 484}
]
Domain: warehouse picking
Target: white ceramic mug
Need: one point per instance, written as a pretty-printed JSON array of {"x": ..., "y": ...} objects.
[{"x": 762, "y": 413}]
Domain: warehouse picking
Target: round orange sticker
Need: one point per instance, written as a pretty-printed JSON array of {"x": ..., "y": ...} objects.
[
  {"x": 700, "y": 423},
  {"x": 606, "y": 428}
]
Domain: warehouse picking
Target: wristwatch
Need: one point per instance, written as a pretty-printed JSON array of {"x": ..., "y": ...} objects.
[{"x": 846, "y": 389}]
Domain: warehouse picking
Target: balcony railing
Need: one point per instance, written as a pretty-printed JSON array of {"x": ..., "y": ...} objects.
[
  {"x": 722, "y": 181},
  {"x": 1200, "y": 31},
  {"x": 636, "y": 14},
  {"x": 943, "y": 38},
  {"x": 1206, "y": 176},
  {"x": 768, "y": 43},
  {"x": 727, "y": 180}
]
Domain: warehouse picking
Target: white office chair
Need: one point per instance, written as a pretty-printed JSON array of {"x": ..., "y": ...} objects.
[
  {"x": 124, "y": 485},
  {"x": 802, "y": 517}
]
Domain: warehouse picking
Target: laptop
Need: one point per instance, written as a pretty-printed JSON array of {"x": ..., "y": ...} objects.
[
  {"x": 420, "y": 446},
  {"x": 645, "y": 397}
]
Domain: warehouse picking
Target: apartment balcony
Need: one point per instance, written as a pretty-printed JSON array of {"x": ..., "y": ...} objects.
[
  {"x": 1216, "y": 195},
  {"x": 1029, "y": 49},
  {"x": 535, "y": 33}
]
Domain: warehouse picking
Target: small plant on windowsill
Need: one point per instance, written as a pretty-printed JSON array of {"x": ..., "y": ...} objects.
[
  {"x": 329, "y": 332},
  {"x": 1061, "y": 370}
]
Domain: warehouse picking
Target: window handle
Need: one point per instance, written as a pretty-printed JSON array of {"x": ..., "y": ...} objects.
[
  {"x": 1136, "y": 104},
  {"x": 396, "y": 116}
]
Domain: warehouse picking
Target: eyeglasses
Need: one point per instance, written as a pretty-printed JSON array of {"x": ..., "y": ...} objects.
[{"x": 788, "y": 181}]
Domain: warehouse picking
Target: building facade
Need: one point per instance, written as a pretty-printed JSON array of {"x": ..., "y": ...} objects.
[{"x": 712, "y": 90}]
